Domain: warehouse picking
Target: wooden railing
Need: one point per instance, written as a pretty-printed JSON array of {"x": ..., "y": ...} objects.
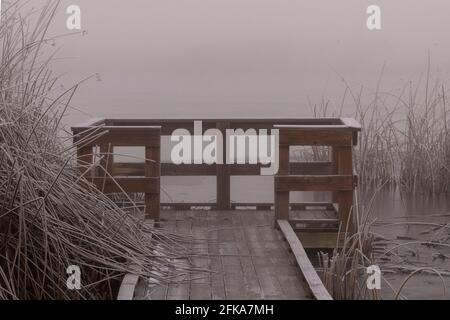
[
  {"x": 98, "y": 138},
  {"x": 333, "y": 175},
  {"x": 341, "y": 181}
]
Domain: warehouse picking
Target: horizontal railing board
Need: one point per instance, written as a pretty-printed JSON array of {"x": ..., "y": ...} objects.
[
  {"x": 170, "y": 169},
  {"x": 118, "y": 128},
  {"x": 169, "y": 125},
  {"x": 312, "y": 127},
  {"x": 260, "y": 205},
  {"x": 314, "y": 183},
  {"x": 323, "y": 137},
  {"x": 328, "y": 239},
  {"x": 128, "y": 184},
  {"x": 318, "y": 231},
  {"x": 315, "y": 221},
  {"x": 300, "y": 121},
  {"x": 133, "y": 137}
]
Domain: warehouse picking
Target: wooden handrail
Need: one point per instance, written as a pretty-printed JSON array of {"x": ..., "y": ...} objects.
[
  {"x": 340, "y": 133},
  {"x": 103, "y": 177},
  {"x": 341, "y": 181}
]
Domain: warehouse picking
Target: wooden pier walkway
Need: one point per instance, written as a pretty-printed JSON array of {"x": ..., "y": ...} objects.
[
  {"x": 257, "y": 254},
  {"x": 248, "y": 257}
]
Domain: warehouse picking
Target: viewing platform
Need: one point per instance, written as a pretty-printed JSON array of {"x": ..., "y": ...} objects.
[{"x": 254, "y": 250}]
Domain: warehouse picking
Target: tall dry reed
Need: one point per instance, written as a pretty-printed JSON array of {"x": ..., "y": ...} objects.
[
  {"x": 405, "y": 137},
  {"x": 48, "y": 219}
]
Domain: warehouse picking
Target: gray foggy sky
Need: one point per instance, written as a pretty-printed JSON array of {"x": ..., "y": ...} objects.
[{"x": 243, "y": 57}]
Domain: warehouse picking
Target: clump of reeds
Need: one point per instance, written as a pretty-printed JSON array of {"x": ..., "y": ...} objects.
[
  {"x": 49, "y": 219},
  {"x": 344, "y": 272},
  {"x": 405, "y": 137}
]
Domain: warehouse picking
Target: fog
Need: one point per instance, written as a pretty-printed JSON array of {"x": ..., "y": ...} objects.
[{"x": 236, "y": 58}]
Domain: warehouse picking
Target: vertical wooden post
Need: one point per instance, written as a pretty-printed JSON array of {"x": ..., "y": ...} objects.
[
  {"x": 152, "y": 169},
  {"x": 282, "y": 198},
  {"x": 106, "y": 152},
  {"x": 223, "y": 180},
  {"x": 345, "y": 198},
  {"x": 84, "y": 160},
  {"x": 334, "y": 170}
]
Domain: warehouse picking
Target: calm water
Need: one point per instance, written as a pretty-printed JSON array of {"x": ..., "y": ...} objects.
[{"x": 405, "y": 221}]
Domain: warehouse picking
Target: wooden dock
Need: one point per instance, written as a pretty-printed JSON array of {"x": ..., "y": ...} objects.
[
  {"x": 248, "y": 257},
  {"x": 254, "y": 254}
]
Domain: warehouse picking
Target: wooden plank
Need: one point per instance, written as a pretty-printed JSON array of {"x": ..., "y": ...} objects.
[
  {"x": 251, "y": 281},
  {"x": 128, "y": 169},
  {"x": 345, "y": 204},
  {"x": 345, "y": 160},
  {"x": 200, "y": 291},
  {"x": 128, "y": 137},
  {"x": 84, "y": 160},
  {"x": 282, "y": 196},
  {"x": 153, "y": 170},
  {"x": 305, "y": 206},
  {"x": 128, "y": 285},
  {"x": 106, "y": 152},
  {"x": 301, "y": 137},
  {"x": 321, "y": 239},
  {"x": 211, "y": 206},
  {"x": 234, "y": 277},
  {"x": 246, "y": 206},
  {"x": 157, "y": 292},
  {"x": 309, "y": 273},
  {"x": 217, "y": 277},
  {"x": 312, "y": 127},
  {"x": 314, "y": 221},
  {"x": 223, "y": 180},
  {"x": 351, "y": 123},
  {"x": 126, "y": 291},
  {"x": 355, "y": 126},
  {"x": 170, "y": 169},
  {"x": 315, "y": 233},
  {"x": 310, "y": 168},
  {"x": 314, "y": 183},
  {"x": 129, "y": 185},
  {"x": 345, "y": 197},
  {"x": 270, "y": 286},
  {"x": 178, "y": 291},
  {"x": 234, "y": 122},
  {"x": 294, "y": 168},
  {"x": 334, "y": 169},
  {"x": 169, "y": 125}
]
